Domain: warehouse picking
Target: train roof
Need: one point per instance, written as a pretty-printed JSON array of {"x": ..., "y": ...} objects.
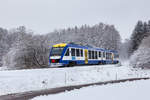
[
  {"x": 81, "y": 46},
  {"x": 60, "y": 45}
]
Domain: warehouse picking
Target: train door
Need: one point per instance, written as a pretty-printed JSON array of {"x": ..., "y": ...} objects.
[
  {"x": 112, "y": 57},
  {"x": 86, "y": 56}
]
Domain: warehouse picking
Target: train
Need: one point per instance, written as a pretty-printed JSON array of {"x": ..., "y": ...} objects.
[{"x": 70, "y": 54}]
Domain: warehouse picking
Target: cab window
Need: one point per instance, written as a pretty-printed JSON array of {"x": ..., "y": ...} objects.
[
  {"x": 56, "y": 51},
  {"x": 67, "y": 52}
]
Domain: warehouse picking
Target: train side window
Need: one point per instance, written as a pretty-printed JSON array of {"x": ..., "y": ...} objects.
[
  {"x": 95, "y": 55},
  {"x": 99, "y": 54},
  {"x": 110, "y": 55},
  {"x": 89, "y": 54},
  {"x": 67, "y": 52},
  {"x": 81, "y": 53},
  {"x": 92, "y": 54},
  {"x": 104, "y": 54},
  {"x": 72, "y": 52},
  {"x": 77, "y": 52},
  {"x": 116, "y": 55}
]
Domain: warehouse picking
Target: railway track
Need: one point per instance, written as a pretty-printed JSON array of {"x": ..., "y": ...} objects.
[
  {"x": 115, "y": 65},
  {"x": 32, "y": 94}
]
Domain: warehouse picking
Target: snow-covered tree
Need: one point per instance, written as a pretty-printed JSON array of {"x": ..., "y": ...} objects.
[
  {"x": 31, "y": 51},
  {"x": 3, "y": 43},
  {"x": 101, "y": 35},
  {"x": 141, "y": 31},
  {"x": 141, "y": 57},
  {"x": 28, "y": 51}
]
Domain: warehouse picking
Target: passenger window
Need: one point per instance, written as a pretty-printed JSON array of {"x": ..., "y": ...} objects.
[
  {"x": 89, "y": 54},
  {"x": 67, "y": 52},
  {"x": 104, "y": 54},
  {"x": 72, "y": 51},
  {"x": 77, "y": 52},
  {"x": 116, "y": 55},
  {"x": 99, "y": 54},
  {"x": 81, "y": 53},
  {"x": 92, "y": 54},
  {"x": 95, "y": 54},
  {"x": 107, "y": 55},
  {"x": 110, "y": 55}
]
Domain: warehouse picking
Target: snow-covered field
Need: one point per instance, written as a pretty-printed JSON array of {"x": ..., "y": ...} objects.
[
  {"x": 17, "y": 81},
  {"x": 137, "y": 90}
]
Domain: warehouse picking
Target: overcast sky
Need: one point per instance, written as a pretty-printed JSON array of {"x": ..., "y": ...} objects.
[{"x": 43, "y": 16}]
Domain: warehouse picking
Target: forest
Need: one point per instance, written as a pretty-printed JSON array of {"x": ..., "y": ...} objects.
[{"x": 21, "y": 48}]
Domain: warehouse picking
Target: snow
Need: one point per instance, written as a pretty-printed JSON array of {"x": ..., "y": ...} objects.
[
  {"x": 3, "y": 68},
  {"x": 137, "y": 90},
  {"x": 17, "y": 81}
]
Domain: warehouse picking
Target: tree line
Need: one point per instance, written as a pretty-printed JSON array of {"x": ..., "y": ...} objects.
[
  {"x": 139, "y": 45},
  {"x": 21, "y": 48}
]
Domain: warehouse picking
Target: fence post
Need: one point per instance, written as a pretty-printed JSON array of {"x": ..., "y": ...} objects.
[
  {"x": 65, "y": 78},
  {"x": 116, "y": 76}
]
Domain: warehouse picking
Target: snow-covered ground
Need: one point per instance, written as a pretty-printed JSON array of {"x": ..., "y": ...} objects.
[
  {"x": 17, "y": 81},
  {"x": 137, "y": 90},
  {"x": 3, "y": 68}
]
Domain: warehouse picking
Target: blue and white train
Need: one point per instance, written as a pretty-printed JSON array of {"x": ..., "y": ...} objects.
[{"x": 73, "y": 54}]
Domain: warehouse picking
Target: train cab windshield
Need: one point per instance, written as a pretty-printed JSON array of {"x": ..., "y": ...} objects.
[{"x": 57, "y": 51}]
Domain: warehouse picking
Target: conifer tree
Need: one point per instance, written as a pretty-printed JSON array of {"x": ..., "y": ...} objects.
[
  {"x": 136, "y": 38},
  {"x": 141, "y": 31}
]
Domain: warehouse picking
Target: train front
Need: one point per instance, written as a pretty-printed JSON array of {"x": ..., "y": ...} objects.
[{"x": 56, "y": 54}]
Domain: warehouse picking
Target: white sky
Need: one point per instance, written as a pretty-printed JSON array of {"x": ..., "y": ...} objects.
[{"x": 43, "y": 16}]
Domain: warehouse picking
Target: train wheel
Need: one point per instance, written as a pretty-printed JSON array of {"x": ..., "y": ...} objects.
[
  {"x": 71, "y": 64},
  {"x": 100, "y": 63}
]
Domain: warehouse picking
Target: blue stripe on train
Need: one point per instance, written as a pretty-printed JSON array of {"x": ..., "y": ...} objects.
[{"x": 65, "y": 62}]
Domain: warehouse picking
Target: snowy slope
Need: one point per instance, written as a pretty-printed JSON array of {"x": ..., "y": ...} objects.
[
  {"x": 137, "y": 90},
  {"x": 37, "y": 79}
]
